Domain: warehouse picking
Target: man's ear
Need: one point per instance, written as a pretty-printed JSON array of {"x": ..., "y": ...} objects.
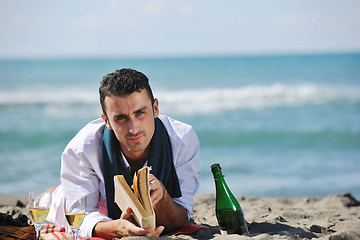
[
  {"x": 106, "y": 120},
  {"x": 156, "y": 108}
]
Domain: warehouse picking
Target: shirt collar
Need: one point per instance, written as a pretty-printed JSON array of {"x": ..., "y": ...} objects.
[{"x": 127, "y": 163}]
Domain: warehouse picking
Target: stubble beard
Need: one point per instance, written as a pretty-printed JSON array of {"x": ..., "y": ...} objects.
[{"x": 137, "y": 146}]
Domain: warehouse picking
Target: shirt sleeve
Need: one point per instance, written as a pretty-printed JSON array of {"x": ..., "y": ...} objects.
[
  {"x": 187, "y": 168},
  {"x": 81, "y": 176}
]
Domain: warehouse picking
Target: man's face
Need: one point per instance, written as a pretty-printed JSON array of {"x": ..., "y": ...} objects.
[{"x": 131, "y": 118}]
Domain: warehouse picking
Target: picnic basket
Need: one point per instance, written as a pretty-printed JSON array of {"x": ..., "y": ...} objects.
[{"x": 12, "y": 233}]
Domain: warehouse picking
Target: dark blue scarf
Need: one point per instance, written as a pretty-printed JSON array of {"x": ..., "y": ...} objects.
[{"x": 160, "y": 159}]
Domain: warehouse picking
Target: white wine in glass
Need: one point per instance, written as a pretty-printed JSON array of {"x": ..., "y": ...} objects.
[
  {"x": 39, "y": 205},
  {"x": 75, "y": 209}
]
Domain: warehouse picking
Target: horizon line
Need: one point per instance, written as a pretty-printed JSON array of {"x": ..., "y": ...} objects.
[{"x": 174, "y": 56}]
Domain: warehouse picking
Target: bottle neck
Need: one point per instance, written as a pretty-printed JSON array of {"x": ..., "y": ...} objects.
[
  {"x": 220, "y": 182},
  {"x": 218, "y": 176},
  {"x": 216, "y": 170}
]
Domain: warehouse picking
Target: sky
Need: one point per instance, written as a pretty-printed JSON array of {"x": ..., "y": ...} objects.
[{"x": 156, "y": 28}]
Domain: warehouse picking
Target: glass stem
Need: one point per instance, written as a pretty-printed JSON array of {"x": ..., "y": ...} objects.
[
  {"x": 76, "y": 233},
  {"x": 37, "y": 228}
]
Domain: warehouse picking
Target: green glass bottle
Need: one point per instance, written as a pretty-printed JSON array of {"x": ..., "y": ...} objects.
[{"x": 228, "y": 211}]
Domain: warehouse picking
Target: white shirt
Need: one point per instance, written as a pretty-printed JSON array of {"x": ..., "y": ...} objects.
[{"x": 82, "y": 175}]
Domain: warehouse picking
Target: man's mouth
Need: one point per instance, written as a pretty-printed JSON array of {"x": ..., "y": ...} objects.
[{"x": 135, "y": 138}]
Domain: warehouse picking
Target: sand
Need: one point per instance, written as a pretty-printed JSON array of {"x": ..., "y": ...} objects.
[{"x": 333, "y": 217}]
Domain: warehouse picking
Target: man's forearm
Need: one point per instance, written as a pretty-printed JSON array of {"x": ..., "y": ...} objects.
[
  {"x": 104, "y": 230},
  {"x": 170, "y": 214}
]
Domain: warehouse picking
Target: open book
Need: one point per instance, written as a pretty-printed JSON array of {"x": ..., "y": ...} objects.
[{"x": 139, "y": 202}]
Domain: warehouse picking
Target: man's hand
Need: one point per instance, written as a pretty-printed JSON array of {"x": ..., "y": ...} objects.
[
  {"x": 157, "y": 190},
  {"x": 123, "y": 227}
]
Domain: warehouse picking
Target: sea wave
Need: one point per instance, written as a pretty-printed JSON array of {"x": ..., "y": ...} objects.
[
  {"x": 47, "y": 95},
  {"x": 205, "y": 101},
  {"x": 255, "y": 97}
]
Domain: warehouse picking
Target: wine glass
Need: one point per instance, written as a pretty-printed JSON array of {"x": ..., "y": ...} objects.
[
  {"x": 39, "y": 205},
  {"x": 75, "y": 209}
]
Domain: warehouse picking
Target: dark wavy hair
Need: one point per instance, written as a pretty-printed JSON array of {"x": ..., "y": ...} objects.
[{"x": 123, "y": 82}]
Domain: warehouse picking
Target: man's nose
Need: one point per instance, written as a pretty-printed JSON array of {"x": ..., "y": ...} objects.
[{"x": 133, "y": 126}]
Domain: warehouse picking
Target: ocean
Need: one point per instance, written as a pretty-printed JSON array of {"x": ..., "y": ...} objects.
[{"x": 280, "y": 126}]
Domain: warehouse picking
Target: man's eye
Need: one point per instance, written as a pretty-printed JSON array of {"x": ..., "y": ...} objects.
[
  {"x": 139, "y": 113},
  {"x": 120, "y": 118}
]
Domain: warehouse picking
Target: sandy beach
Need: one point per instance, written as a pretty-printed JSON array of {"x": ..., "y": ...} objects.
[{"x": 333, "y": 217}]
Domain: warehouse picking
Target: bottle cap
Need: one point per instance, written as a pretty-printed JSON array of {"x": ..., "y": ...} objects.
[{"x": 215, "y": 167}]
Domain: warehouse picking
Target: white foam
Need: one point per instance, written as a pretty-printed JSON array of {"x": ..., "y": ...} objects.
[
  {"x": 253, "y": 97},
  {"x": 203, "y": 101},
  {"x": 49, "y": 96}
]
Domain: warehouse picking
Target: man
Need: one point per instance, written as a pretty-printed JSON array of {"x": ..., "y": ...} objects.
[{"x": 130, "y": 135}]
